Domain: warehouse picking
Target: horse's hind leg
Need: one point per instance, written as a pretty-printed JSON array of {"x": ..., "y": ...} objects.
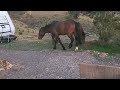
[
  {"x": 61, "y": 43},
  {"x": 54, "y": 45},
  {"x": 76, "y": 45},
  {"x": 55, "y": 42},
  {"x": 52, "y": 39},
  {"x": 72, "y": 40}
]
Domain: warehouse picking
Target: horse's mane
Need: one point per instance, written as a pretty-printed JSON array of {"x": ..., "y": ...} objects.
[{"x": 50, "y": 24}]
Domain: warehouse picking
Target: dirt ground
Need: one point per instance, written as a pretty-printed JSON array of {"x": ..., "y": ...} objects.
[{"x": 49, "y": 64}]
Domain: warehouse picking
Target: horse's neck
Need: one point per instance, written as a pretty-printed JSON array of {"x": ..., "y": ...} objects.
[
  {"x": 46, "y": 30},
  {"x": 49, "y": 31}
]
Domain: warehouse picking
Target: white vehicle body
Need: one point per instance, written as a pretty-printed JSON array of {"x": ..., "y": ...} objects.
[{"x": 7, "y": 29}]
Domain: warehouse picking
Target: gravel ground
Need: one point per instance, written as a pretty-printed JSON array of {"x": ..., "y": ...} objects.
[{"x": 49, "y": 64}]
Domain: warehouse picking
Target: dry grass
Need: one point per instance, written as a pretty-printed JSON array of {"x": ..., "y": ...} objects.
[{"x": 47, "y": 13}]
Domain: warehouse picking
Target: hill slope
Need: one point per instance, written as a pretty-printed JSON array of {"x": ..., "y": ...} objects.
[{"x": 46, "y": 13}]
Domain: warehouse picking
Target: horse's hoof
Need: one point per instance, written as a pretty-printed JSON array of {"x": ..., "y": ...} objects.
[
  {"x": 54, "y": 48},
  {"x": 76, "y": 48},
  {"x": 70, "y": 46},
  {"x": 64, "y": 49}
]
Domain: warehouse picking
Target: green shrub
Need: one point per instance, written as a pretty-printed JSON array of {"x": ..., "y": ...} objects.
[{"x": 106, "y": 24}]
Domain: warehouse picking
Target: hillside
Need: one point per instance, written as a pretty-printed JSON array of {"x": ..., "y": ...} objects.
[
  {"x": 23, "y": 32},
  {"x": 29, "y": 22},
  {"x": 46, "y": 13}
]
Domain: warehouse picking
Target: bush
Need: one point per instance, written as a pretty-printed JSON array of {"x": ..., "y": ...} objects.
[
  {"x": 106, "y": 24},
  {"x": 20, "y": 33}
]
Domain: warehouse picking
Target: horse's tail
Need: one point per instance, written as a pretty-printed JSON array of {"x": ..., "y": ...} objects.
[
  {"x": 78, "y": 32},
  {"x": 82, "y": 34}
]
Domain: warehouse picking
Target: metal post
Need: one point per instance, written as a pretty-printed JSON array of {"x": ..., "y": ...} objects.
[
  {"x": 8, "y": 38},
  {"x": 1, "y": 38}
]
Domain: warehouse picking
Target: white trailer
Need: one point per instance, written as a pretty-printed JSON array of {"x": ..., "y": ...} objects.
[{"x": 7, "y": 29}]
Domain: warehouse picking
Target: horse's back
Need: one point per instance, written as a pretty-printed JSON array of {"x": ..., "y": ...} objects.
[{"x": 64, "y": 27}]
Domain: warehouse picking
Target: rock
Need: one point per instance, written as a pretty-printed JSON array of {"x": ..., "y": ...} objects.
[
  {"x": 103, "y": 55},
  {"x": 5, "y": 65}
]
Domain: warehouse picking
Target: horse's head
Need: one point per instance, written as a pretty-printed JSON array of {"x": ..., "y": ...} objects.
[{"x": 41, "y": 33}]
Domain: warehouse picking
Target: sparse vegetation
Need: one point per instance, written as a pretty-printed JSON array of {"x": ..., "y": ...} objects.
[
  {"x": 102, "y": 47},
  {"x": 16, "y": 14},
  {"x": 34, "y": 22},
  {"x": 20, "y": 33},
  {"x": 27, "y": 45}
]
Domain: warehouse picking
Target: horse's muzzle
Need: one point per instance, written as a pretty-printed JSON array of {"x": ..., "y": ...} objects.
[{"x": 40, "y": 38}]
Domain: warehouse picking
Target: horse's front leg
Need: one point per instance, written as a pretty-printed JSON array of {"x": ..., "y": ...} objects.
[
  {"x": 55, "y": 42},
  {"x": 52, "y": 39}
]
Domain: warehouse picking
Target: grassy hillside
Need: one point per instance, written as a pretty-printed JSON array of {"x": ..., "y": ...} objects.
[
  {"x": 20, "y": 14},
  {"x": 37, "y": 18},
  {"x": 27, "y": 23}
]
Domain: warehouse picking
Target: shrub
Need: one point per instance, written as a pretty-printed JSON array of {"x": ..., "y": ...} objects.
[
  {"x": 20, "y": 33},
  {"x": 106, "y": 24}
]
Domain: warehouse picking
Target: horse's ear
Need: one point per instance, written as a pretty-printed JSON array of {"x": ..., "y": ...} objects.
[
  {"x": 46, "y": 24},
  {"x": 40, "y": 28}
]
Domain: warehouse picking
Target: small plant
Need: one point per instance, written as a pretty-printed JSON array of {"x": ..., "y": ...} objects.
[
  {"x": 22, "y": 30},
  {"x": 33, "y": 31},
  {"x": 20, "y": 33},
  {"x": 28, "y": 31}
]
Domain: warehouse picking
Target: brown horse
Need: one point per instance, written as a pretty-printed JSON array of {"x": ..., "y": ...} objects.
[{"x": 68, "y": 27}]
